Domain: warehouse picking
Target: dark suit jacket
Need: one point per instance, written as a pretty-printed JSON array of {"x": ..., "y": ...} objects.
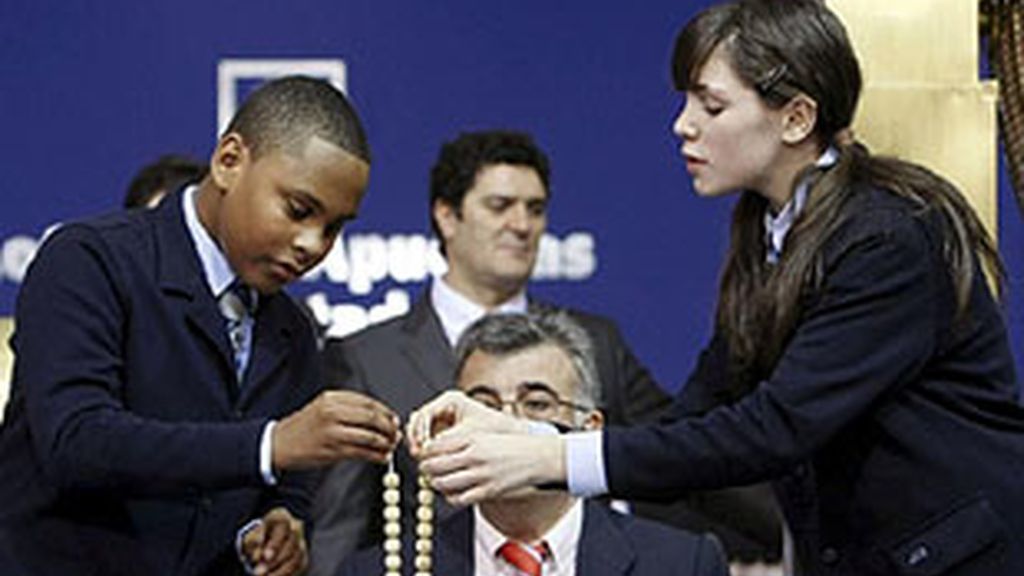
[
  {"x": 126, "y": 447},
  {"x": 611, "y": 544},
  {"x": 892, "y": 428},
  {"x": 404, "y": 363}
]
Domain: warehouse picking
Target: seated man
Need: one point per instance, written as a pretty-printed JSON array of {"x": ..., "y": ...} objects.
[{"x": 540, "y": 365}]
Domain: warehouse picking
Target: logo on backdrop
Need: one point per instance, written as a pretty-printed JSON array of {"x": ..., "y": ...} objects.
[
  {"x": 237, "y": 77},
  {"x": 367, "y": 277},
  {"x": 340, "y": 289}
]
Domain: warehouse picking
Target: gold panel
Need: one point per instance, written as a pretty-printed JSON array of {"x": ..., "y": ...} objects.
[
  {"x": 950, "y": 129},
  {"x": 922, "y": 99},
  {"x": 911, "y": 41},
  {"x": 6, "y": 360}
]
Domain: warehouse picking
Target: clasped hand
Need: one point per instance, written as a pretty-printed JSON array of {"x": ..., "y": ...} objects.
[
  {"x": 276, "y": 546},
  {"x": 472, "y": 453}
]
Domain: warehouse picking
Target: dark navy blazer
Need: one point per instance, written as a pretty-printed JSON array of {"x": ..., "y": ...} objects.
[
  {"x": 611, "y": 544},
  {"x": 128, "y": 447},
  {"x": 893, "y": 430}
]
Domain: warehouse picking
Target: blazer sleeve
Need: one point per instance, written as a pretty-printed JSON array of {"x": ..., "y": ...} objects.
[
  {"x": 869, "y": 330},
  {"x": 350, "y": 489},
  {"x": 70, "y": 329},
  {"x": 296, "y": 488}
]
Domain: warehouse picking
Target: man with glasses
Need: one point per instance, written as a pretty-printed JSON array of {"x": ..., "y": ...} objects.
[
  {"x": 533, "y": 400},
  {"x": 540, "y": 366}
]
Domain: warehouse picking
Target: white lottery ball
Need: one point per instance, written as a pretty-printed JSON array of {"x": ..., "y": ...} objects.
[{"x": 424, "y": 514}]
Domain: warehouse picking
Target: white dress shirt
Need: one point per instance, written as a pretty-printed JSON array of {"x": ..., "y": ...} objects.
[
  {"x": 776, "y": 226},
  {"x": 457, "y": 312},
  {"x": 562, "y": 541}
]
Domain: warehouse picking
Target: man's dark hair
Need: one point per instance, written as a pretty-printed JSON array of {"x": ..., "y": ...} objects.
[
  {"x": 289, "y": 111},
  {"x": 166, "y": 175},
  {"x": 460, "y": 160}
]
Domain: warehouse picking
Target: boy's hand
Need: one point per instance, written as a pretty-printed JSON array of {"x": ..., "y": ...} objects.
[
  {"x": 277, "y": 545},
  {"x": 335, "y": 426}
]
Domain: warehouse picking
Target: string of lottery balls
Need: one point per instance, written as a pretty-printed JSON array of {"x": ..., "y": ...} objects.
[{"x": 393, "y": 524}]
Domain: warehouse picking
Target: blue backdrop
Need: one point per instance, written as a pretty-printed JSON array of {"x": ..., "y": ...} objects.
[{"x": 91, "y": 91}]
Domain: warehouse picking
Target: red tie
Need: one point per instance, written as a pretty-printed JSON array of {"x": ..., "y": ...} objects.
[{"x": 526, "y": 559}]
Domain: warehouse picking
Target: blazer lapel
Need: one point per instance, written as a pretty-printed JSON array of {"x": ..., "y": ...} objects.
[
  {"x": 604, "y": 549},
  {"x": 181, "y": 280},
  {"x": 204, "y": 316},
  {"x": 270, "y": 344},
  {"x": 427, "y": 348}
]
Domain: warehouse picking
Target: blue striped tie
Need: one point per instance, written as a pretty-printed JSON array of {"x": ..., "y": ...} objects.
[{"x": 236, "y": 304}]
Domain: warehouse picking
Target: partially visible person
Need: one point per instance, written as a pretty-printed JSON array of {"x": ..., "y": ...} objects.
[
  {"x": 166, "y": 410},
  {"x": 860, "y": 360},
  {"x": 541, "y": 366},
  {"x": 166, "y": 175},
  {"x": 488, "y": 201}
]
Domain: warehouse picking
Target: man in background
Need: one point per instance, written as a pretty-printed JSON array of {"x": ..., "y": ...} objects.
[{"x": 166, "y": 175}]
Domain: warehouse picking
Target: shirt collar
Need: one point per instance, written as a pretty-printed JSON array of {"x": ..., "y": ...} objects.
[
  {"x": 216, "y": 270},
  {"x": 562, "y": 539},
  {"x": 457, "y": 312},
  {"x": 777, "y": 226}
]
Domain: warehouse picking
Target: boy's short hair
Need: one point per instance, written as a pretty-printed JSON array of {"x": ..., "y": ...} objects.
[{"x": 288, "y": 111}]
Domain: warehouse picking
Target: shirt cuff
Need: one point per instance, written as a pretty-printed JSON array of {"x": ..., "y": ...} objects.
[
  {"x": 250, "y": 568},
  {"x": 541, "y": 428},
  {"x": 267, "y": 454},
  {"x": 584, "y": 462}
]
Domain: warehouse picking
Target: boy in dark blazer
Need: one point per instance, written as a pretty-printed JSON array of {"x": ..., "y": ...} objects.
[
  {"x": 540, "y": 366},
  {"x": 139, "y": 438}
]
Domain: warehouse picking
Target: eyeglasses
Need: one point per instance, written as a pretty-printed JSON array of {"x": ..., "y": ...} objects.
[{"x": 534, "y": 400}]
